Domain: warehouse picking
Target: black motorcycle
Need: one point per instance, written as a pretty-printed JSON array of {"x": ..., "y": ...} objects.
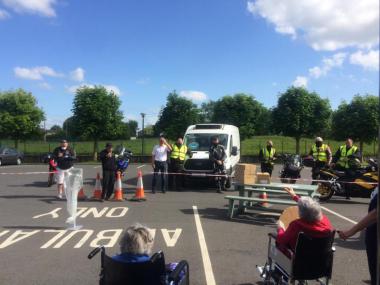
[
  {"x": 360, "y": 180},
  {"x": 291, "y": 168}
]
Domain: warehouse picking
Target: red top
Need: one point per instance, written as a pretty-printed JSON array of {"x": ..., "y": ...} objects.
[{"x": 316, "y": 229}]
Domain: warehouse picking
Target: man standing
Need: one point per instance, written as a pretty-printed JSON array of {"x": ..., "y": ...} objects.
[
  {"x": 267, "y": 156},
  {"x": 159, "y": 163},
  {"x": 177, "y": 159},
  {"x": 322, "y": 156},
  {"x": 217, "y": 155},
  {"x": 108, "y": 159},
  {"x": 64, "y": 156},
  {"x": 343, "y": 154},
  {"x": 341, "y": 162}
]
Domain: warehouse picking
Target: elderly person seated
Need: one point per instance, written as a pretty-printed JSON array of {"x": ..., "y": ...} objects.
[
  {"x": 311, "y": 222},
  {"x": 135, "y": 245}
]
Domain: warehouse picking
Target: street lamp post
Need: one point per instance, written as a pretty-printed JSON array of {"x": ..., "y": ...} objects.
[{"x": 142, "y": 133}]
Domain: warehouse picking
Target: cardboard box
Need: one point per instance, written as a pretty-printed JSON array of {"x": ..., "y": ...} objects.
[
  {"x": 263, "y": 178},
  {"x": 245, "y": 173},
  {"x": 245, "y": 168}
]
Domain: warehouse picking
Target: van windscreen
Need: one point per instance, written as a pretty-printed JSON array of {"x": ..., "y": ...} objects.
[{"x": 202, "y": 142}]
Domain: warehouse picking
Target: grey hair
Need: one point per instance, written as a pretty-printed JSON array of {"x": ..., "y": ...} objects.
[
  {"x": 309, "y": 209},
  {"x": 137, "y": 239}
]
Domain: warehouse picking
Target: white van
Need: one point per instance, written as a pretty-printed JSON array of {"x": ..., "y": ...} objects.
[{"x": 198, "y": 140}]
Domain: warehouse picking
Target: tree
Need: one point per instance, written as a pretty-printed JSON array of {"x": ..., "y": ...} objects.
[
  {"x": 264, "y": 124},
  {"x": 129, "y": 129},
  {"x": 301, "y": 113},
  {"x": 96, "y": 114},
  {"x": 240, "y": 110},
  {"x": 20, "y": 116},
  {"x": 176, "y": 116},
  {"x": 358, "y": 120},
  {"x": 207, "y": 111}
]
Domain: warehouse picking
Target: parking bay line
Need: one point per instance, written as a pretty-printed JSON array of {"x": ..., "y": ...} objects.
[
  {"x": 339, "y": 215},
  {"x": 210, "y": 280}
]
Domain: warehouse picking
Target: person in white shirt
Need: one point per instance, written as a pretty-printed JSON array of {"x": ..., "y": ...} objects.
[{"x": 159, "y": 163}]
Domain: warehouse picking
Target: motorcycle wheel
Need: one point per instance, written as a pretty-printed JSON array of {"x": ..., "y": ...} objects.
[
  {"x": 50, "y": 180},
  {"x": 325, "y": 190}
]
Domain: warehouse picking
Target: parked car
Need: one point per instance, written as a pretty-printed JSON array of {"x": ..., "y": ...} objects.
[{"x": 10, "y": 155}]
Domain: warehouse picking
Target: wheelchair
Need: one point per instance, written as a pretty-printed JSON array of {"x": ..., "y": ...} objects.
[
  {"x": 152, "y": 272},
  {"x": 312, "y": 260}
]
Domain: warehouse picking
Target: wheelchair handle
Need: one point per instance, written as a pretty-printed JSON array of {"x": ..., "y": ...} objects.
[{"x": 95, "y": 252}]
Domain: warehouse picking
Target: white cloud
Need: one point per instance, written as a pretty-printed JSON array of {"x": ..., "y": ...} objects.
[
  {"x": 40, "y": 7},
  {"x": 45, "y": 85},
  {"x": 328, "y": 63},
  {"x": 109, "y": 88},
  {"x": 301, "y": 81},
  {"x": 77, "y": 74},
  {"x": 35, "y": 73},
  {"x": 193, "y": 95},
  {"x": 4, "y": 14},
  {"x": 369, "y": 60},
  {"x": 324, "y": 24}
]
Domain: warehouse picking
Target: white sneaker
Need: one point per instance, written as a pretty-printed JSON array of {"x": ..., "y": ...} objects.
[{"x": 60, "y": 196}]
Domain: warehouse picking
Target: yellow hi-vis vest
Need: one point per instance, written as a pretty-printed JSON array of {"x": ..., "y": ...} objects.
[
  {"x": 178, "y": 152},
  {"x": 319, "y": 153},
  {"x": 268, "y": 155},
  {"x": 344, "y": 154}
]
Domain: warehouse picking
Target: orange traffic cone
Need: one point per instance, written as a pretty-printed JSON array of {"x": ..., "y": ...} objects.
[
  {"x": 98, "y": 189},
  {"x": 118, "y": 196},
  {"x": 264, "y": 196},
  {"x": 81, "y": 195},
  {"x": 139, "y": 195}
]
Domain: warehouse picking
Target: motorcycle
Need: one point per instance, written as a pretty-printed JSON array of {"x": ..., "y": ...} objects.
[
  {"x": 123, "y": 159},
  {"x": 49, "y": 159},
  {"x": 291, "y": 169},
  {"x": 361, "y": 180}
]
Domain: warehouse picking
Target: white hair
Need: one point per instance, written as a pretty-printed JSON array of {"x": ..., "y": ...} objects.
[
  {"x": 309, "y": 209},
  {"x": 137, "y": 239}
]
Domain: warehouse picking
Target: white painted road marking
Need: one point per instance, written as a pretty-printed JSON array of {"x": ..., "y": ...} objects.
[
  {"x": 210, "y": 280},
  {"x": 141, "y": 166},
  {"x": 339, "y": 215},
  {"x": 97, "y": 166}
]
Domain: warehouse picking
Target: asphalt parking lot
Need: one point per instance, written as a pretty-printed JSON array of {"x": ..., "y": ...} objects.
[{"x": 36, "y": 248}]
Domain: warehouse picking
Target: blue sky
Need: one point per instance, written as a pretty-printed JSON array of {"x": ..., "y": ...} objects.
[{"x": 203, "y": 49}]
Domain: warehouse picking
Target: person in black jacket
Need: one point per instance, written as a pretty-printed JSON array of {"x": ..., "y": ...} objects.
[
  {"x": 64, "y": 156},
  {"x": 217, "y": 155},
  {"x": 108, "y": 159}
]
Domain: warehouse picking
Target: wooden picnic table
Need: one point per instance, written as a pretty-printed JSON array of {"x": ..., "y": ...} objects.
[{"x": 246, "y": 191}]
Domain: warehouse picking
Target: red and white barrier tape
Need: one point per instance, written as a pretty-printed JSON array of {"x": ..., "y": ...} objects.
[{"x": 202, "y": 174}]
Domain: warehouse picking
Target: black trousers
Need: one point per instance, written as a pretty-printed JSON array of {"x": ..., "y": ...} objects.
[
  {"x": 267, "y": 167},
  {"x": 371, "y": 248},
  {"x": 108, "y": 183},
  {"x": 160, "y": 166},
  {"x": 317, "y": 168},
  {"x": 175, "y": 166}
]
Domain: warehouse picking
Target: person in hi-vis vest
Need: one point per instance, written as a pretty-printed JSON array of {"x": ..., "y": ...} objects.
[
  {"x": 177, "y": 159},
  {"x": 322, "y": 156},
  {"x": 267, "y": 156},
  {"x": 345, "y": 155}
]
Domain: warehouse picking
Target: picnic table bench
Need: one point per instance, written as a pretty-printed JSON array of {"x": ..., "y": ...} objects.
[{"x": 245, "y": 198}]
